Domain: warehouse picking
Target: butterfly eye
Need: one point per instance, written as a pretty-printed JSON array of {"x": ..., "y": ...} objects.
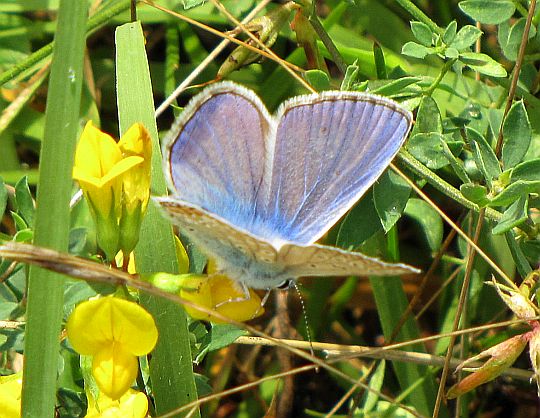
[{"x": 287, "y": 284}]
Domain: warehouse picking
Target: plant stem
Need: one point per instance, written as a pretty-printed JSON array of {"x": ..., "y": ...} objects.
[
  {"x": 446, "y": 67},
  {"x": 327, "y": 41}
]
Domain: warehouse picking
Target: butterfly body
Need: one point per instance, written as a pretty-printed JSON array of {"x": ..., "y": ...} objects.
[{"x": 256, "y": 191}]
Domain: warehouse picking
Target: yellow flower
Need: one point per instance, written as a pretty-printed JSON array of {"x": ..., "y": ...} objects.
[
  {"x": 10, "y": 395},
  {"x": 114, "y": 331},
  {"x": 131, "y": 404},
  {"x": 135, "y": 142},
  {"x": 221, "y": 294},
  {"x": 115, "y": 180}
]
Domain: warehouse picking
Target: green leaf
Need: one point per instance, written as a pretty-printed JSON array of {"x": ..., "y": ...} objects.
[
  {"x": 450, "y": 33},
  {"x": 517, "y": 134},
  {"x": 510, "y": 37},
  {"x": 482, "y": 63},
  {"x": 20, "y": 223},
  {"x": 25, "y": 202},
  {"x": 430, "y": 222},
  {"x": 380, "y": 64},
  {"x": 484, "y": 156},
  {"x": 390, "y": 195},
  {"x": 466, "y": 36},
  {"x": 528, "y": 171},
  {"x": 189, "y": 4},
  {"x": 371, "y": 397},
  {"x": 512, "y": 217},
  {"x": 351, "y": 77},
  {"x": 451, "y": 53},
  {"x": 428, "y": 118},
  {"x": 475, "y": 193},
  {"x": 422, "y": 33},
  {"x": 426, "y": 147},
  {"x": 515, "y": 191},
  {"x": 359, "y": 224},
  {"x": 318, "y": 79},
  {"x": 220, "y": 336},
  {"x": 45, "y": 289},
  {"x": 156, "y": 250},
  {"x": 395, "y": 87},
  {"x": 488, "y": 11},
  {"x": 456, "y": 164},
  {"x": 412, "y": 49}
]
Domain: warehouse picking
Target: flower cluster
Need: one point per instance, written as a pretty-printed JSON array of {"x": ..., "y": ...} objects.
[{"x": 115, "y": 180}]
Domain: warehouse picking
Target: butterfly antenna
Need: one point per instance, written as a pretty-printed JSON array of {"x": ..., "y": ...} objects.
[{"x": 304, "y": 314}]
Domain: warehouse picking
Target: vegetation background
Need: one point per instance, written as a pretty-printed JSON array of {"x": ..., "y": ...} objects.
[{"x": 467, "y": 68}]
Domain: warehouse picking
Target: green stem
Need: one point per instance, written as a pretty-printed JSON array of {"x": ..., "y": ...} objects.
[
  {"x": 446, "y": 67},
  {"x": 446, "y": 188},
  {"x": 46, "y": 289},
  {"x": 419, "y": 15},
  {"x": 327, "y": 41},
  {"x": 94, "y": 23},
  {"x": 421, "y": 170},
  {"x": 522, "y": 10}
]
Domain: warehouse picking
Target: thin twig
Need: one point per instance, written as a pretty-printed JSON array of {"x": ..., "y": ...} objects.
[{"x": 459, "y": 311}]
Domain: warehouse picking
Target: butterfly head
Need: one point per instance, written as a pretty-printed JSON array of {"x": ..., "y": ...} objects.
[{"x": 286, "y": 284}]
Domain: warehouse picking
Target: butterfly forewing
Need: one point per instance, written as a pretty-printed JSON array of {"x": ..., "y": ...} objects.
[
  {"x": 216, "y": 152},
  {"x": 329, "y": 150}
]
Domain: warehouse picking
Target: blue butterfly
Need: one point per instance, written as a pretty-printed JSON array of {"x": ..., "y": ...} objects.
[{"x": 255, "y": 191}]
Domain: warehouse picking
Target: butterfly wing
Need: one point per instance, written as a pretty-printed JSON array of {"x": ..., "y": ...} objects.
[
  {"x": 234, "y": 250},
  {"x": 329, "y": 149},
  {"x": 215, "y": 153},
  {"x": 321, "y": 260}
]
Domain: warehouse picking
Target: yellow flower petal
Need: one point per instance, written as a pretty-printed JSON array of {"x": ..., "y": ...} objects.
[
  {"x": 10, "y": 396},
  {"x": 225, "y": 291},
  {"x": 101, "y": 322},
  {"x": 196, "y": 288},
  {"x": 137, "y": 142},
  {"x": 132, "y": 404},
  {"x": 114, "y": 370},
  {"x": 96, "y": 152},
  {"x": 220, "y": 293},
  {"x": 182, "y": 256}
]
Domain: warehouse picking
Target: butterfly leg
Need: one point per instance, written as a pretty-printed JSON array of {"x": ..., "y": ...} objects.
[{"x": 243, "y": 298}]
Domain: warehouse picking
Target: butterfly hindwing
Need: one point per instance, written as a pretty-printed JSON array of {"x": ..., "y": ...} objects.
[
  {"x": 321, "y": 260},
  {"x": 215, "y": 236}
]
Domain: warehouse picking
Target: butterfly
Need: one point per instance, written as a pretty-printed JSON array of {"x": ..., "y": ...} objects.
[{"x": 255, "y": 191}]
